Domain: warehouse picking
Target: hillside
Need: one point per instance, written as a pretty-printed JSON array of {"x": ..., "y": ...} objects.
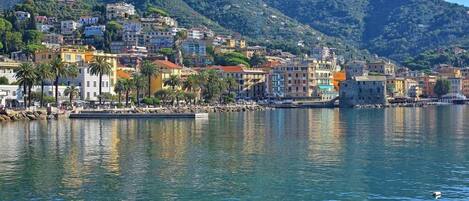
[{"x": 396, "y": 29}]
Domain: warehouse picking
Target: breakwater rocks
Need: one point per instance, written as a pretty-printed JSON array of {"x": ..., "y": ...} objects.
[
  {"x": 422, "y": 104},
  {"x": 10, "y": 115},
  {"x": 187, "y": 109}
]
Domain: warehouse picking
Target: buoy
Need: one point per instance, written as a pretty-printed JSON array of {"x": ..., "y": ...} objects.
[{"x": 437, "y": 194}]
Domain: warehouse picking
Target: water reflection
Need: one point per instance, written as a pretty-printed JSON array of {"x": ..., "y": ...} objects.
[{"x": 273, "y": 155}]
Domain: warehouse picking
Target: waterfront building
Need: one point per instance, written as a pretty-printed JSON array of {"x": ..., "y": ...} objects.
[
  {"x": 427, "y": 84},
  {"x": 12, "y": 95},
  {"x": 119, "y": 10},
  {"x": 396, "y": 87},
  {"x": 7, "y": 69},
  {"x": 251, "y": 82},
  {"x": 412, "y": 88},
  {"x": 382, "y": 68},
  {"x": 82, "y": 57},
  {"x": 465, "y": 86},
  {"x": 337, "y": 78},
  {"x": 456, "y": 85},
  {"x": 275, "y": 83},
  {"x": 298, "y": 79},
  {"x": 363, "y": 90},
  {"x": 322, "y": 78},
  {"x": 166, "y": 69}
]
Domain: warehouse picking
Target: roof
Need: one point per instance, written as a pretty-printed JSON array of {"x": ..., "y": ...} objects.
[
  {"x": 370, "y": 78},
  {"x": 229, "y": 69},
  {"x": 236, "y": 69},
  {"x": 166, "y": 64},
  {"x": 122, "y": 74}
]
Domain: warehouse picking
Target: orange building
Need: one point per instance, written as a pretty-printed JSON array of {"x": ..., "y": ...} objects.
[{"x": 337, "y": 78}]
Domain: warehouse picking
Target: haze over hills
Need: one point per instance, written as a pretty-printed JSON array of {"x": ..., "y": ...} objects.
[{"x": 396, "y": 29}]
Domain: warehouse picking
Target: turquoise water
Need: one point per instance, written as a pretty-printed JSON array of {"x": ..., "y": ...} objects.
[{"x": 317, "y": 154}]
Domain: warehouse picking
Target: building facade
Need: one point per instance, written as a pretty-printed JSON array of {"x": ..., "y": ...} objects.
[{"x": 363, "y": 90}]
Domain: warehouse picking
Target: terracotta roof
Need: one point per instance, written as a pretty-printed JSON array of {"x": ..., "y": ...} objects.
[
  {"x": 122, "y": 74},
  {"x": 229, "y": 69},
  {"x": 166, "y": 64}
]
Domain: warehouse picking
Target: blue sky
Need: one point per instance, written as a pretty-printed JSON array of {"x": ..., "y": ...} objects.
[{"x": 463, "y": 2}]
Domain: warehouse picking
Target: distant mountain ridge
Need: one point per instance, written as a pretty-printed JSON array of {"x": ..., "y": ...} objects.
[{"x": 396, "y": 29}]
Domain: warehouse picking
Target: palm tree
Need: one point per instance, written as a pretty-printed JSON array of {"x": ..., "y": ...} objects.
[
  {"x": 44, "y": 73},
  {"x": 99, "y": 66},
  {"x": 119, "y": 88},
  {"x": 173, "y": 81},
  {"x": 192, "y": 84},
  {"x": 61, "y": 69},
  {"x": 149, "y": 70},
  {"x": 128, "y": 86},
  {"x": 138, "y": 83},
  {"x": 72, "y": 91},
  {"x": 26, "y": 76}
]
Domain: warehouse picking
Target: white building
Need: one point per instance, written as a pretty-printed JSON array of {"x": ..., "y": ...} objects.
[
  {"x": 12, "y": 95},
  {"x": 455, "y": 85},
  {"x": 119, "y": 10},
  {"x": 89, "y": 20},
  {"x": 7, "y": 69},
  {"x": 21, "y": 15}
]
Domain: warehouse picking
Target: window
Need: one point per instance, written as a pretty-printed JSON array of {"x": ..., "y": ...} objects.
[
  {"x": 87, "y": 95},
  {"x": 87, "y": 83},
  {"x": 94, "y": 83},
  {"x": 94, "y": 94}
]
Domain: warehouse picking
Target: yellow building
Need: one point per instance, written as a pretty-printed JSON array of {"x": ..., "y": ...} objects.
[
  {"x": 396, "y": 87},
  {"x": 82, "y": 56},
  {"x": 166, "y": 69},
  {"x": 251, "y": 82}
]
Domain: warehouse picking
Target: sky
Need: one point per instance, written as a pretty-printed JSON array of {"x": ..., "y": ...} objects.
[{"x": 463, "y": 2}]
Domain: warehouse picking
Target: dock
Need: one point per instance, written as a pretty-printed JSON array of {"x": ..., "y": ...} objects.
[{"x": 138, "y": 116}]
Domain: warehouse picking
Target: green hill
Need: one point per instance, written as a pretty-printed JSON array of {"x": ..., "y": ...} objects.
[{"x": 396, "y": 29}]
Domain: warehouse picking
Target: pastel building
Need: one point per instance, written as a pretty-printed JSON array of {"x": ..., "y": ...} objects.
[
  {"x": 166, "y": 69},
  {"x": 251, "y": 82},
  {"x": 195, "y": 52},
  {"x": 382, "y": 67}
]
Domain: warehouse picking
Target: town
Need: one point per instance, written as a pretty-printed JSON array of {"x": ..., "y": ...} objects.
[{"x": 129, "y": 60}]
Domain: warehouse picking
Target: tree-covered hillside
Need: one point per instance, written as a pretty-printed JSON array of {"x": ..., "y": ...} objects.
[
  {"x": 396, "y": 29},
  {"x": 455, "y": 56}
]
